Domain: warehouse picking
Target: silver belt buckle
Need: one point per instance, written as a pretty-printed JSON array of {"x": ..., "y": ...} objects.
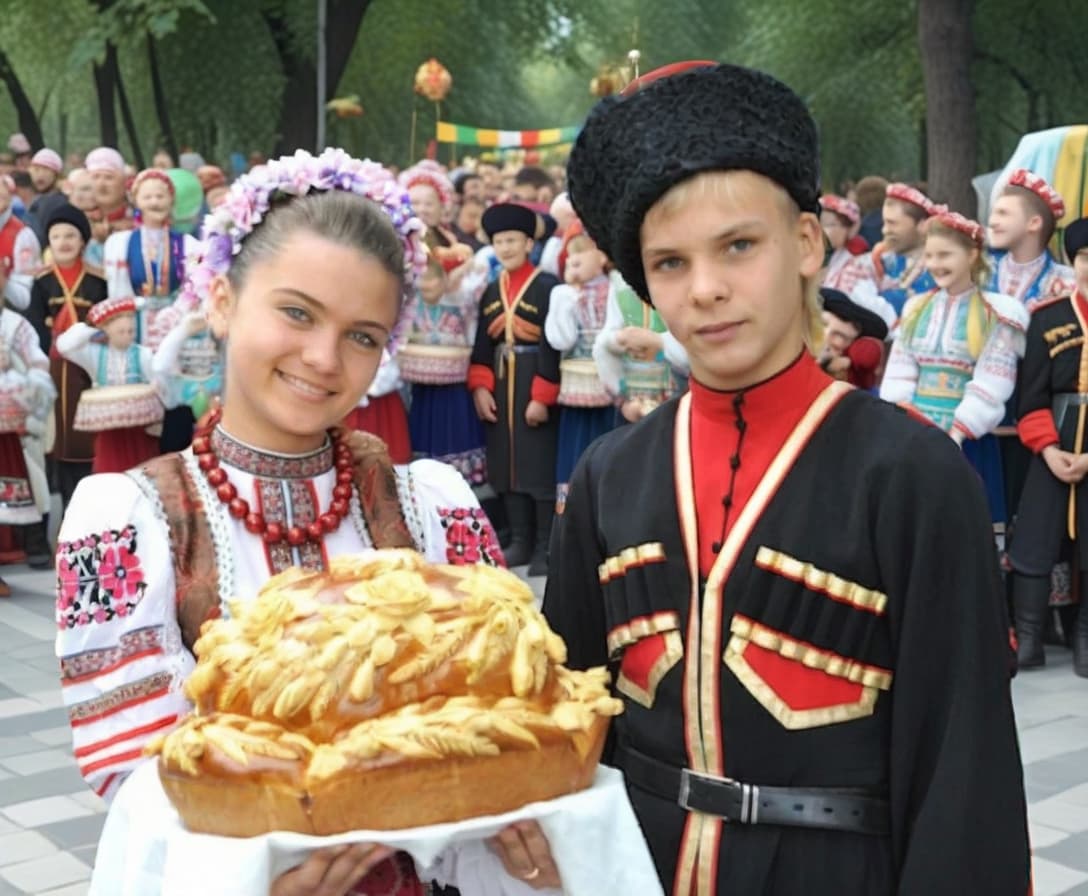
[{"x": 749, "y": 794}]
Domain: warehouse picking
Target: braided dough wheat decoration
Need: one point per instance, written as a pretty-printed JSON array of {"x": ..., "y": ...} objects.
[{"x": 384, "y": 693}]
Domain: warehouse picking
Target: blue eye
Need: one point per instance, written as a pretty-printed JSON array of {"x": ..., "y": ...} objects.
[
  {"x": 364, "y": 339},
  {"x": 297, "y": 314},
  {"x": 740, "y": 245},
  {"x": 667, "y": 264}
]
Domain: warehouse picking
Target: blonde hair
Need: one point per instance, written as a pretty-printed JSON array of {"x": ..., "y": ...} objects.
[
  {"x": 731, "y": 186},
  {"x": 980, "y": 319},
  {"x": 580, "y": 243}
]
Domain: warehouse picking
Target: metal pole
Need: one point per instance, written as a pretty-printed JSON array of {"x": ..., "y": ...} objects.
[{"x": 321, "y": 74}]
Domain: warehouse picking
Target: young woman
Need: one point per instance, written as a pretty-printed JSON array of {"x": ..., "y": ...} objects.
[
  {"x": 795, "y": 582},
  {"x": 303, "y": 277},
  {"x": 956, "y": 355},
  {"x": 839, "y": 218}
]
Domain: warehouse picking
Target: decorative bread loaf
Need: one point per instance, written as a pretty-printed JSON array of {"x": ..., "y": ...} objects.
[{"x": 384, "y": 693}]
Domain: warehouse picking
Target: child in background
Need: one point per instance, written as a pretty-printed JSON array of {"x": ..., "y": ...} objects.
[
  {"x": 575, "y": 318},
  {"x": 382, "y": 413},
  {"x": 441, "y": 420}
]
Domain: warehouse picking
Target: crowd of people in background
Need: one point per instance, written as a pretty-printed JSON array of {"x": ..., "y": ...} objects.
[{"x": 524, "y": 344}]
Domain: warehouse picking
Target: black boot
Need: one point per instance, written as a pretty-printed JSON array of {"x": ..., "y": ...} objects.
[
  {"x": 545, "y": 513},
  {"x": 1030, "y": 602},
  {"x": 519, "y": 513},
  {"x": 39, "y": 553}
]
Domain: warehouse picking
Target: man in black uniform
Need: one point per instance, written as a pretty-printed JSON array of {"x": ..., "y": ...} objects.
[
  {"x": 1052, "y": 411},
  {"x": 514, "y": 380},
  {"x": 793, "y": 582}
]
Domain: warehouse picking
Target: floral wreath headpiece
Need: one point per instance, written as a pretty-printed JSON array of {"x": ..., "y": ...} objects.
[{"x": 253, "y": 194}]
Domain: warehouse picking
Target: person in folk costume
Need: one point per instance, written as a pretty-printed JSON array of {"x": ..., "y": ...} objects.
[
  {"x": 434, "y": 359},
  {"x": 20, "y": 251},
  {"x": 119, "y": 361},
  {"x": 839, "y": 218},
  {"x": 807, "y": 711},
  {"x": 188, "y": 364},
  {"x": 576, "y": 315},
  {"x": 268, "y": 484},
  {"x": 1052, "y": 405},
  {"x": 853, "y": 349},
  {"x": 113, "y": 213},
  {"x": 432, "y": 198},
  {"x": 955, "y": 357},
  {"x": 381, "y": 412},
  {"x": 638, "y": 360},
  {"x": 897, "y": 264},
  {"x": 61, "y": 297},
  {"x": 1021, "y": 225},
  {"x": 514, "y": 381},
  {"x": 148, "y": 261},
  {"x": 26, "y": 402}
]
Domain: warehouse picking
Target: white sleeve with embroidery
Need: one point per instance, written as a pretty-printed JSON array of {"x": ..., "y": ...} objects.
[
  {"x": 75, "y": 345},
  {"x": 983, "y": 406},
  {"x": 122, "y": 659},
  {"x": 27, "y": 255},
  {"x": 115, "y": 262},
  {"x": 387, "y": 378},
  {"x": 561, "y": 325},
  {"x": 900, "y": 375},
  {"x": 455, "y": 528},
  {"x": 606, "y": 354}
]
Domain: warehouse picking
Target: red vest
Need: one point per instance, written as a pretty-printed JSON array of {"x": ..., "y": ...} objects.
[{"x": 7, "y": 243}]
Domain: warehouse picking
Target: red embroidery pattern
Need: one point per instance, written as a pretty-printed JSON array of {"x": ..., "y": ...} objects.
[
  {"x": 304, "y": 511},
  {"x": 140, "y": 642},
  {"x": 270, "y": 466},
  {"x": 303, "y": 505},
  {"x": 98, "y": 578},
  {"x": 469, "y": 537},
  {"x": 134, "y": 692}
]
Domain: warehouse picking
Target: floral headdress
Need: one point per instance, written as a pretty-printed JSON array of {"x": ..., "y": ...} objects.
[
  {"x": 253, "y": 194},
  {"x": 431, "y": 175}
]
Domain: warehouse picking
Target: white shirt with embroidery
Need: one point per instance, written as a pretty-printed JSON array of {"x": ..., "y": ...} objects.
[{"x": 122, "y": 659}]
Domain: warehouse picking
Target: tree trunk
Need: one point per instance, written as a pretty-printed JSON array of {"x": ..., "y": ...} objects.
[
  {"x": 945, "y": 44},
  {"x": 105, "y": 86},
  {"x": 28, "y": 118},
  {"x": 158, "y": 91},
  {"x": 126, "y": 116},
  {"x": 298, "y": 113}
]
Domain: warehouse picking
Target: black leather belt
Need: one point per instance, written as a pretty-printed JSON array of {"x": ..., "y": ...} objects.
[{"x": 829, "y": 808}]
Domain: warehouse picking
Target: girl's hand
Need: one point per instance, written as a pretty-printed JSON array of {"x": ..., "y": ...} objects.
[
  {"x": 486, "y": 409},
  {"x": 1063, "y": 464},
  {"x": 330, "y": 872},
  {"x": 526, "y": 855}
]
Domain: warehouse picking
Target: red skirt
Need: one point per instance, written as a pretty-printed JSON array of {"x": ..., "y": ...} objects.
[
  {"x": 17, "y": 505},
  {"x": 117, "y": 450},
  {"x": 386, "y": 418}
]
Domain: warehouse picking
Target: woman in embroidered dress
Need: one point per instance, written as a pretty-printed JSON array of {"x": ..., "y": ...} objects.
[
  {"x": 958, "y": 348},
  {"x": 839, "y": 219},
  {"x": 302, "y": 277}
]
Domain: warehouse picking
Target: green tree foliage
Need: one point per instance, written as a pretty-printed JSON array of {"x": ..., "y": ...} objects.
[{"x": 527, "y": 64}]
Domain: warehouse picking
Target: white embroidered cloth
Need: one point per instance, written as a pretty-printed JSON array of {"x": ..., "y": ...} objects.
[{"x": 594, "y": 836}]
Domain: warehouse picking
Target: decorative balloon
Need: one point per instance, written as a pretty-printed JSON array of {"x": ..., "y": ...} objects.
[
  {"x": 433, "y": 80},
  {"x": 345, "y": 106},
  {"x": 188, "y": 199}
]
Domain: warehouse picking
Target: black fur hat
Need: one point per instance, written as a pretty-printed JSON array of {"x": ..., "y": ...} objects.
[{"x": 673, "y": 124}]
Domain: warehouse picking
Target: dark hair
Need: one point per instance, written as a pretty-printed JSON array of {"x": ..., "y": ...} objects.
[
  {"x": 472, "y": 200},
  {"x": 462, "y": 179},
  {"x": 534, "y": 176},
  {"x": 22, "y": 179},
  {"x": 344, "y": 218},
  {"x": 870, "y": 192}
]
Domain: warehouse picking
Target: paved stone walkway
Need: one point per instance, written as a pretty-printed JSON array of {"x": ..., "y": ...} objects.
[{"x": 49, "y": 821}]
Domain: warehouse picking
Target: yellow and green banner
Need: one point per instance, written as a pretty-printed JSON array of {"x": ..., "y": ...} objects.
[{"x": 463, "y": 135}]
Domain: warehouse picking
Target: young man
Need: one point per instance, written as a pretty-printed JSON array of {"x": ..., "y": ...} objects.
[
  {"x": 1022, "y": 222},
  {"x": 794, "y": 582},
  {"x": 514, "y": 380},
  {"x": 896, "y": 263},
  {"x": 1052, "y": 407}
]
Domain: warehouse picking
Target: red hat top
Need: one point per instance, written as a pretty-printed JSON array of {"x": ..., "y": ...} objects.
[
  {"x": 841, "y": 206},
  {"x": 954, "y": 220},
  {"x": 907, "y": 193},
  {"x": 1029, "y": 180},
  {"x": 103, "y": 312}
]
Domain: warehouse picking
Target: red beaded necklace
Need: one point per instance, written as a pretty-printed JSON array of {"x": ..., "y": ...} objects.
[{"x": 274, "y": 533}]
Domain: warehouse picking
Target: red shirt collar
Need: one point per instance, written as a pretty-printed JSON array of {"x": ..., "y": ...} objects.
[{"x": 788, "y": 391}]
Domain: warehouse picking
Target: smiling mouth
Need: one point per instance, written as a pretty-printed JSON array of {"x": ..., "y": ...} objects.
[
  {"x": 303, "y": 386},
  {"x": 712, "y": 329}
]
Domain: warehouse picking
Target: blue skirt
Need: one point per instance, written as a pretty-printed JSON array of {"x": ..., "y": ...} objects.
[
  {"x": 443, "y": 424},
  {"x": 985, "y": 456},
  {"x": 578, "y": 429}
]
